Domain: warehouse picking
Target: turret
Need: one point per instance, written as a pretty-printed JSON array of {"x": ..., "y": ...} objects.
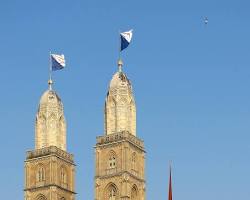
[
  {"x": 120, "y": 109},
  {"x": 50, "y": 127}
]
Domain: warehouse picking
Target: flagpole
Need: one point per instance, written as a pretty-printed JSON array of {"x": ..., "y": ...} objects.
[
  {"x": 50, "y": 72},
  {"x": 119, "y": 51},
  {"x": 119, "y": 44}
]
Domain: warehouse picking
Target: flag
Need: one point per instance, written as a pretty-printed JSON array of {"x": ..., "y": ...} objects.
[
  {"x": 125, "y": 39},
  {"x": 170, "y": 186},
  {"x": 57, "y": 62}
]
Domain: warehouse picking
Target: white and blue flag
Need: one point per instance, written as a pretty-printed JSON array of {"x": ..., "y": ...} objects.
[
  {"x": 125, "y": 39},
  {"x": 57, "y": 62}
]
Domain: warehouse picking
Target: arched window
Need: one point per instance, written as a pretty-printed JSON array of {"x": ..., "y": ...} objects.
[
  {"x": 134, "y": 193},
  {"x": 123, "y": 115},
  {"x": 41, "y": 136},
  {"x": 132, "y": 118},
  {"x": 40, "y": 174},
  {"x": 63, "y": 177},
  {"x": 62, "y": 133},
  {"x": 133, "y": 161},
  {"x": 112, "y": 192},
  {"x": 110, "y": 115},
  {"x": 112, "y": 160},
  {"x": 40, "y": 197}
]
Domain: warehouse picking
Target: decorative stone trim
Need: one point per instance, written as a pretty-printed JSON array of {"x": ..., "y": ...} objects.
[
  {"x": 120, "y": 136},
  {"x": 48, "y": 151}
]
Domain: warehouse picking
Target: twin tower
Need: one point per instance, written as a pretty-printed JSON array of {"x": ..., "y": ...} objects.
[{"x": 119, "y": 153}]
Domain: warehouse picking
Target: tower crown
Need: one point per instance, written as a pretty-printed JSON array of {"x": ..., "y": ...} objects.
[
  {"x": 120, "y": 81},
  {"x": 50, "y": 125},
  {"x": 120, "y": 109},
  {"x": 49, "y": 98}
]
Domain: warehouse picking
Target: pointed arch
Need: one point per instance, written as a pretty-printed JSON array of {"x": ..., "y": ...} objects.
[
  {"x": 111, "y": 192},
  {"x": 52, "y": 124},
  {"x": 110, "y": 115},
  {"x": 133, "y": 161},
  {"x": 62, "y": 122},
  {"x": 132, "y": 117},
  {"x": 40, "y": 173},
  {"x": 112, "y": 159},
  {"x": 113, "y": 115},
  {"x": 62, "y": 133},
  {"x": 63, "y": 176},
  {"x": 134, "y": 193},
  {"x": 41, "y": 136},
  {"x": 40, "y": 197},
  {"x": 123, "y": 114}
]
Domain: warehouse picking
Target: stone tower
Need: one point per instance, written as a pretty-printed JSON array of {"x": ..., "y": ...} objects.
[
  {"x": 120, "y": 154},
  {"x": 49, "y": 169}
]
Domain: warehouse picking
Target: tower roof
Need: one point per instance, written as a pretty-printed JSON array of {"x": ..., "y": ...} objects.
[
  {"x": 119, "y": 79},
  {"x": 120, "y": 109},
  {"x": 49, "y": 97},
  {"x": 50, "y": 122}
]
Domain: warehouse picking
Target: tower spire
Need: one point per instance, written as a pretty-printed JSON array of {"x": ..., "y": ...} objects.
[
  {"x": 170, "y": 183},
  {"x": 120, "y": 64},
  {"x": 49, "y": 158},
  {"x": 120, "y": 108},
  {"x": 50, "y": 82}
]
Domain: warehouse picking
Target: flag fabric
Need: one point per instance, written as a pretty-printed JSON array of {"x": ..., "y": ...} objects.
[
  {"x": 170, "y": 186},
  {"x": 57, "y": 62},
  {"x": 125, "y": 39}
]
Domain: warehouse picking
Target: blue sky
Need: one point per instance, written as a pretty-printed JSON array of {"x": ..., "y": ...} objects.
[{"x": 191, "y": 84}]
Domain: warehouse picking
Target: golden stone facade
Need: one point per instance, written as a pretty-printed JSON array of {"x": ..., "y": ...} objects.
[
  {"x": 120, "y": 155},
  {"x": 49, "y": 175},
  {"x": 49, "y": 169},
  {"x": 120, "y": 167}
]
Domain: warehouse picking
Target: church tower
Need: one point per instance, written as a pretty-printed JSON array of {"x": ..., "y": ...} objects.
[
  {"x": 49, "y": 169},
  {"x": 120, "y": 154}
]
